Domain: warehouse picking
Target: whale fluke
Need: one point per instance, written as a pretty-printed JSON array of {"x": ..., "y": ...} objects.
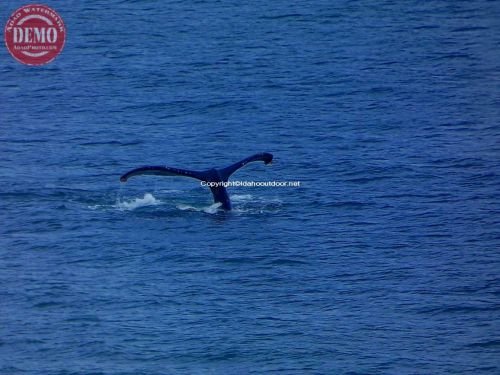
[{"x": 222, "y": 175}]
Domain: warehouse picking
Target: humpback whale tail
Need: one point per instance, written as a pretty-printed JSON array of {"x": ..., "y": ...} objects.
[{"x": 222, "y": 175}]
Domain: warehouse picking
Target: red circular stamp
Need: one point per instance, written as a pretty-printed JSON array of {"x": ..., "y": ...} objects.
[{"x": 35, "y": 34}]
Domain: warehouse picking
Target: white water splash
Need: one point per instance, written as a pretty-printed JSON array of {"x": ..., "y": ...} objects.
[
  {"x": 242, "y": 197},
  {"x": 248, "y": 203},
  {"x": 244, "y": 203},
  {"x": 147, "y": 200},
  {"x": 212, "y": 209}
]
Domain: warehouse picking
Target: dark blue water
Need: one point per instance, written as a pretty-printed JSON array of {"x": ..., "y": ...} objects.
[{"x": 385, "y": 260}]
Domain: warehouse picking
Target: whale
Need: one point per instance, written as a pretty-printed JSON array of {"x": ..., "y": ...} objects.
[{"x": 214, "y": 178}]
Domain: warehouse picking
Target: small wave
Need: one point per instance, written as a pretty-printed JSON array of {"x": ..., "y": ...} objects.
[
  {"x": 47, "y": 304},
  {"x": 297, "y": 16},
  {"x": 485, "y": 344},
  {"x": 454, "y": 309},
  {"x": 287, "y": 262}
]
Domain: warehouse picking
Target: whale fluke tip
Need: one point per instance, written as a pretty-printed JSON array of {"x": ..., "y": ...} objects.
[{"x": 268, "y": 158}]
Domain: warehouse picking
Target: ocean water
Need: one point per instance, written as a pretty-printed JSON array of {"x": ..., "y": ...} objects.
[{"x": 385, "y": 260}]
